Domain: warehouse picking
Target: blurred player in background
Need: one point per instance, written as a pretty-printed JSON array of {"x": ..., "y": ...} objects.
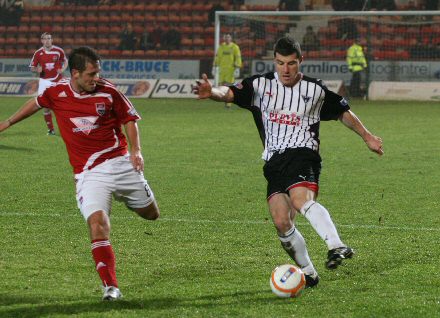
[
  {"x": 227, "y": 62},
  {"x": 49, "y": 62},
  {"x": 287, "y": 107},
  {"x": 90, "y": 112}
]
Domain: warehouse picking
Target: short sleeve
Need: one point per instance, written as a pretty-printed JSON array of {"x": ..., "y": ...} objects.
[
  {"x": 243, "y": 92},
  {"x": 334, "y": 105},
  {"x": 123, "y": 108},
  {"x": 44, "y": 100},
  {"x": 34, "y": 61}
]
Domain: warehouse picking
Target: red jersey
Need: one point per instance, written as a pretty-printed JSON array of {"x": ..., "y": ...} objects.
[
  {"x": 90, "y": 123},
  {"x": 51, "y": 61}
]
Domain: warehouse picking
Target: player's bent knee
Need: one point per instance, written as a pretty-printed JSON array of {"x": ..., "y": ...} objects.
[
  {"x": 99, "y": 225},
  {"x": 150, "y": 212},
  {"x": 282, "y": 224}
]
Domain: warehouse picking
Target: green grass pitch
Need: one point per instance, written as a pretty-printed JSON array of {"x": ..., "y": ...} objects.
[{"x": 213, "y": 249}]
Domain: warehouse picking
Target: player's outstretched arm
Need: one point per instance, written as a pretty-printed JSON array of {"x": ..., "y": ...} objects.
[
  {"x": 374, "y": 143},
  {"x": 28, "y": 109},
  {"x": 220, "y": 94}
]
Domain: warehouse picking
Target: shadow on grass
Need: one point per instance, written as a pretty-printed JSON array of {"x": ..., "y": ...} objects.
[
  {"x": 4, "y": 147},
  {"x": 28, "y": 307}
]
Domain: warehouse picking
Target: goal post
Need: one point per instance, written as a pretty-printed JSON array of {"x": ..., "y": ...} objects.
[{"x": 398, "y": 45}]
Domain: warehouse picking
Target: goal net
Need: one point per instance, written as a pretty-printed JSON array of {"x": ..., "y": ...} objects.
[{"x": 398, "y": 45}]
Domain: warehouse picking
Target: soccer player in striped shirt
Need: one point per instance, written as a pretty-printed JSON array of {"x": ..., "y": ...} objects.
[
  {"x": 90, "y": 113},
  {"x": 49, "y": 62},
  {"x": 287, "y": 107}
]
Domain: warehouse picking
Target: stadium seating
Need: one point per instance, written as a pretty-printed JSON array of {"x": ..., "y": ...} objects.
[{"x": 100, "y": 26}]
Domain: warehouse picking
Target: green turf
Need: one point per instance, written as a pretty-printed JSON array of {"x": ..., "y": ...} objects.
[{"x": 212, "y": 251}]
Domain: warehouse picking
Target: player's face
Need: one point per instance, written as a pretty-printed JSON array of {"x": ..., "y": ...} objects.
[
  {"x": 287, "y": 68},
  {"x": 46, "y": 41},
  {"x": 86, "y": 81}
]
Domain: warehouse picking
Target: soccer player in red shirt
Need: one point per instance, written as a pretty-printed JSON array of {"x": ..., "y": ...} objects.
[
  {"x": 49, "y": 62},
  {"x": 90, "y": 113}
]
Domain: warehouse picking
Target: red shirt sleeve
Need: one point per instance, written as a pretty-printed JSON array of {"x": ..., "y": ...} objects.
[
  {"x": 44, "y": 99},
  {"x": 34, "y": 61},
  {"x": 123, "y": 108}
]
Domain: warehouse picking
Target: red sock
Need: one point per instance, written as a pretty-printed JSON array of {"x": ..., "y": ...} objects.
[
  {"x": 105, "y": 262},
  {"x": 48, "y": 120}
]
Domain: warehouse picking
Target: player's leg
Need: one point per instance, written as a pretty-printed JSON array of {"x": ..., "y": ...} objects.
[
  {"x": 49, "y": 122},
  {"x": 303, "y": 199},
  {"x": 94, "y": 195},
  {"x": 301, "y": 168},
  {"x": 42, "y": 85},
  {"x": 291, "y": 239},
  {"x": 226, "y": 77},
  {"x": 134, "y": 190}
]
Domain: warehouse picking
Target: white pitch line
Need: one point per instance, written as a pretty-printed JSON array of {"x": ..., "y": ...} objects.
[{"x": 202, "y": 221}]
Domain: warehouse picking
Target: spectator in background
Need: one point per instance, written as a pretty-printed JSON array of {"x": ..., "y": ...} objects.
[
  {"x": 357, "y": 64},
  {"x": 172, "y": 39},
  {"x": 430, "y": 5},
  {"x": 145, "y": 42},
  {"x": 310, "y": 40},
  {"x": 128, "y": 38},
  {"x": 383, "y": 5},
  {"x": 215, "y": 7},
  {"x": 288, "y": 5},
  {"x": 347, "y": 5},
  {"x": 156, "y": 36},
  {"x": 11, "y": 12}
]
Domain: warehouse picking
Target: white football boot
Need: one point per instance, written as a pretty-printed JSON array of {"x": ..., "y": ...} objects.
[{"x": 111, "y": 293}]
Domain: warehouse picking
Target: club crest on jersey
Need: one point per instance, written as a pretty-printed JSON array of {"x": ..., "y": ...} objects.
[
  {"x": 100, "y": 109},
  {"x": 306, "y": 98}
]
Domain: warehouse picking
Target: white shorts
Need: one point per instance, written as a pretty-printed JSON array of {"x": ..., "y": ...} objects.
[
  {"x": 115, "y": 177},
  {"x": 42, "y": 85}
]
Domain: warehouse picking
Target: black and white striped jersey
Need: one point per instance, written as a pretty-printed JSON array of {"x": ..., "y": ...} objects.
[{"x": 288, "y": 117}]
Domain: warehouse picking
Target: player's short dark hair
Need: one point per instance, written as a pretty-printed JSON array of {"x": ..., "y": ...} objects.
[
  {"x": 80, "y": 56},
  {"x": 287, "y": 45}
]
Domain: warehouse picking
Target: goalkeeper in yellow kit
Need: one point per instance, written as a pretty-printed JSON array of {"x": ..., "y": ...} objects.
[{"x": 227, "y": 62}]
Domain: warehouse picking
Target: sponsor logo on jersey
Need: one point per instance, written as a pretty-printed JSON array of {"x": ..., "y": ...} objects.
[
  {"x": 100, "y": 109},
  {"x": 50, "y": 66},
  {"x": 84, "y": 124},
  {"x": 291, "y": 119},
  {"x": 344, "y": 102},
  {"x": 238, "y": 85},
  {"x": 268, "y": 94},
  {"x": 133, "y": 112}
]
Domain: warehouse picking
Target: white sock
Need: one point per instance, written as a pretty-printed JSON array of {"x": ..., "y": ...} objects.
[
  {"x": 320, "y": 220},
  {"x": 295, "y": 245}
]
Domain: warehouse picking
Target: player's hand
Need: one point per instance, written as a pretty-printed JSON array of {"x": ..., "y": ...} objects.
[
  {"x": 374, "y": 143},
  {"x": 39, "y": 69},
  {"x": 137, "y": 161},
  {"x": 203, "y": 88},
  {"x": 4, "y": 125},
  {"x": 237, "y": 73}
]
